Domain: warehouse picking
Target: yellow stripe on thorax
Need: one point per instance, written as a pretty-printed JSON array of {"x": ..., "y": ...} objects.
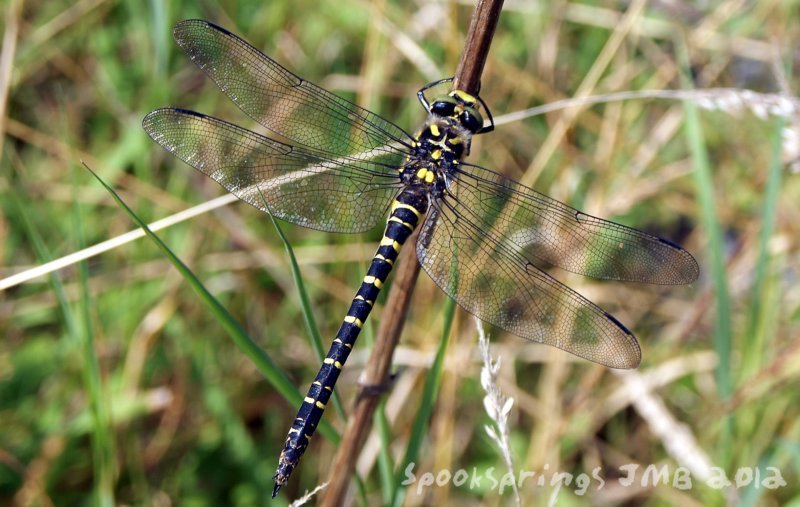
[{"x": 464, "y": 96}]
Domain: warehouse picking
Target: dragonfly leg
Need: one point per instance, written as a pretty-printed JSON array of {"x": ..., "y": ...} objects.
[{"x": 421, "y": 92}]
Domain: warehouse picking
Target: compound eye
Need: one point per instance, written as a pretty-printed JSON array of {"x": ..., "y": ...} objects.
[
  {"x": 443, "y": 108},
  {"x": 470, "y": 121}
]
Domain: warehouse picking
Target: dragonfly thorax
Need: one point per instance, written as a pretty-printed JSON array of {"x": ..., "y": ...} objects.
[{"x": 439, "y": 146}]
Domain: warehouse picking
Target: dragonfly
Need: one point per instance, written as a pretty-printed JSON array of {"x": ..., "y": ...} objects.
[{"x": 486, "y": 240}]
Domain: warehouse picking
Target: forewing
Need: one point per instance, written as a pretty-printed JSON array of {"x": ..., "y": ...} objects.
[
  {"x": 490, "y": 279},
  {"x": 552, "y": 233},
  {"x": 283, "y": 102},
  {"x": 336, "y": 195}
]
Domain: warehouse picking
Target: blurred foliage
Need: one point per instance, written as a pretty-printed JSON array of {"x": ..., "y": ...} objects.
[{"x": 117, "y": 386}]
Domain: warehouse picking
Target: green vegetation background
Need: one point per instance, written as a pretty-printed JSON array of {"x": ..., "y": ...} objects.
[{"x": 117, "y": 386}]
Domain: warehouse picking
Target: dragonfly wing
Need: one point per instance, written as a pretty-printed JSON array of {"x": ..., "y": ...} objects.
[
  {"x": 553, "y": 233},
  {"x": 283, "y": 102},
  {"x": 492, "y": 280},
  {"x": 335, "y": 195}
]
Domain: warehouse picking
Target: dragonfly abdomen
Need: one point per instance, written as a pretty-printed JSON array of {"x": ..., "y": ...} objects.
[{"x": 406, "y": 212}]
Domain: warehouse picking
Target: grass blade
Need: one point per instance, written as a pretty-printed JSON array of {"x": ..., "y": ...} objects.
[
  {"x": 82, "y": 337},
  {"x": 704, "y": 184},
  {"x": 708, "y": 216},
  {"x": 754, "y": 347},
  {"x": 261, "y": 359},
  {"x": 385, "y": 462},
  {"x": 103, "y": 449},
  {"x": 429, "y": 392}
]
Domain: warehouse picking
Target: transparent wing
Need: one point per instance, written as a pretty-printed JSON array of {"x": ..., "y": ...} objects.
[
  {"x": 492, "y": 280},
  {"x": 551, "y": 233},
  {"x": 283, "y": 102},
  {"x": 335, "y": 195}
]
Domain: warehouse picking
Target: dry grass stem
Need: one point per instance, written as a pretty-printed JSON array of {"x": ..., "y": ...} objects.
[
  {"x": 675, "y": 436},
  {"x": 308, "y": 496}
]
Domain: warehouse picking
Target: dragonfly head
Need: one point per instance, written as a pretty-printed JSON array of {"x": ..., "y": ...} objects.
[{"x": 461, "y": 107}]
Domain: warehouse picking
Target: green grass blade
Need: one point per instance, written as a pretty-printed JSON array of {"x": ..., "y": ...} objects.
[
  {"x": 385, "y": 462},
  {"x": 82, "y": 337},
  {"x": 755, "y": 346},
  {"x": 103, "y": 449},
  {"x": 705, "y": 191},
  {"x": 361, "y": 491},
  {"x": 261, "y": 359},
  {"x": 159, "y": 34},
  {"x": 704, "y": 184},
  {"x": 429, "y": 393}
]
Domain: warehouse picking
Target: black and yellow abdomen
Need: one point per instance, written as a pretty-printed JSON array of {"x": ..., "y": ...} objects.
[{"x": 406, "y": 213}]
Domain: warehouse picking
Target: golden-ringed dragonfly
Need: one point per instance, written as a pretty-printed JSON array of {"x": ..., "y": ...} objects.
[{"x": 484, "y": 240}]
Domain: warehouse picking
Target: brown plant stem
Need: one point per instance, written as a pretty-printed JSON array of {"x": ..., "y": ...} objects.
[
  {"x": 377, "y": 370},
  {"x": 476, "y": 47}
]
